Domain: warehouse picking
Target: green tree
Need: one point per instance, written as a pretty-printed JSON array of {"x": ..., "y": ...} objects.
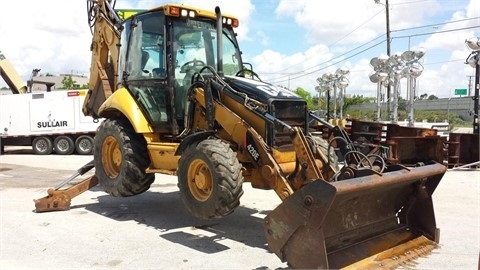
[
  {"x": 402, "y": 104},
  {"x": 307, "y": 97},
  {"x": 356, "y": 99},
  {"x": 68, "y": 82},
  {"x": 432, "y": 97},
  {"x": 423, "y": 96}
]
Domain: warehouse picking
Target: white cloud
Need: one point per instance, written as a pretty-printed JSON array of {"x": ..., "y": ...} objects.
[
  {"x": 347, "y": 22},
  {"x": 297, "y": 70},
  {"x": 54, "y": 35},
  {"x": 42, "y": 37},
  {"x": 336, "y": 24},
  {"x": 59, "y": 42}
]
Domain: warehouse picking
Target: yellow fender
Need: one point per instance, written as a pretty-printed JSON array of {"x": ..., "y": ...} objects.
[{"x": 123, "y": 102}]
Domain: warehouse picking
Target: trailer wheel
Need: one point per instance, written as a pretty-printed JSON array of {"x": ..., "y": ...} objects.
[
  {"x": 84, "y": 145},
  {"x": 63, "y": 145},
  {"x": 42, "y": 145},
  {"x": 210, "y": 179},
  {"x": 121, "y": 158}
]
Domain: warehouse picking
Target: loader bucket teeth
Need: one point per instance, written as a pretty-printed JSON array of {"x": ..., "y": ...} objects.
[{"x": 338, "y": 224}]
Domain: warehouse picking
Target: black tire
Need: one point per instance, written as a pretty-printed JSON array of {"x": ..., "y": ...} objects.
[
  {"x": 322, "y": 147},
  {"x": 42, "y": 145},
  {"x": 210, "y": 179},
  {"x": 121, "y": 157},
  {"x": 84, "y": 145},
  {"x": 63, "y": 145}
]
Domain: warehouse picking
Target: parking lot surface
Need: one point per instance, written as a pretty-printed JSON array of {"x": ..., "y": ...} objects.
[{"x": 154, "y": 231}]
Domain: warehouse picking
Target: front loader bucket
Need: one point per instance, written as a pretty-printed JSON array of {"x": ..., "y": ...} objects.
[{"x": 364, "y": 222}]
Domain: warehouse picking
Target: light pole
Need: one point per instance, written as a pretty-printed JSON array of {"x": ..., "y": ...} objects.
[
  {"x": 334, "y": 81},
  {"x": 342, "y": 83},
  {"x": 380, "y": 77},
  {"x": 474, "y": 61},
  {"x": 412, "y": 70},
  {"x": 326, "y": 84},
  {"x": 390, "y": 70}
]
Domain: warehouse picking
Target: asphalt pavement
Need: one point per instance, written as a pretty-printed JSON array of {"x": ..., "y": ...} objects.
[{"x": 154, "y": 231}]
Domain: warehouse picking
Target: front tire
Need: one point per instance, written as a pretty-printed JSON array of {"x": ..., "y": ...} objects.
[
  {"x": 121, "y": 158},
  {"x": 210, "y": 179}
]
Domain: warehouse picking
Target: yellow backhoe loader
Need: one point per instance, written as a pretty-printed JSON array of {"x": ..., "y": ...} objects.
[{"x": 177, "y": 99}]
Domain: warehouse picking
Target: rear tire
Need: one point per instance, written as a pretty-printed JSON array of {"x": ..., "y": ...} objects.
[
  {"x": 63, "y": 145},
  {"x": 42, "y": 145},
  {"x": 84, "y": 145},
  {"x": 210, "y": 179},
  {"x": 121, "y": 158}
]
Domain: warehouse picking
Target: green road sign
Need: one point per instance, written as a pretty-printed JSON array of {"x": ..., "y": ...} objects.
[{"x": 461, "y": 92}]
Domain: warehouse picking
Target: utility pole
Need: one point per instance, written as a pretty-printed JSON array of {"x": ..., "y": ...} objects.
[
  {"x": 389, "y": 91},
  {"x": 388, "y": 27},
  {"x": 387, "y": 13},
  {"x": 476, "y": 97}
]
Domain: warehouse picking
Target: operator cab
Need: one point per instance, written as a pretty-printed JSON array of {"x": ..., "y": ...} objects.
[{"x": 161, "y": 50}]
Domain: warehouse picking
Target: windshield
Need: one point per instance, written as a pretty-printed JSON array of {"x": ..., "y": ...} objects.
[{"x": 195, "y": 46}]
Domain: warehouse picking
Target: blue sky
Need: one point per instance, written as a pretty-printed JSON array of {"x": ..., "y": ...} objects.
[{"x": 289, "y": 42}]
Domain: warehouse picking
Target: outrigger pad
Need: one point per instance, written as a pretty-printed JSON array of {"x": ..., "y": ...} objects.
[
  {"x": 337, "y": 224},
  {"x": 55, "y": 201}
]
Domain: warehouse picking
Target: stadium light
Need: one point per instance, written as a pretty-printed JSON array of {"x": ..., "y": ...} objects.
[{"x": 473, "y": 60}]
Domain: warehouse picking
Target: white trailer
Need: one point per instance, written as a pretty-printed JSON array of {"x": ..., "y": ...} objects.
[{"x": 48, "y": 121}]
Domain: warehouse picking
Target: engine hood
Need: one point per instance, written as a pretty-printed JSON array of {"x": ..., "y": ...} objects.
[{"x": 261, "y": 91}]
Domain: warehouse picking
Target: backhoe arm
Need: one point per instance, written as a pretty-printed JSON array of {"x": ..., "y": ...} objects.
[
  {"x": 106, "y": 28},
  {"x": 11, "y": 77}
]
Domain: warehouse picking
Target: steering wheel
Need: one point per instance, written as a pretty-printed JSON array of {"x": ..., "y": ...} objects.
[
  {"x": 194, "y": 64},
  {"x": 247, "y": 72}
]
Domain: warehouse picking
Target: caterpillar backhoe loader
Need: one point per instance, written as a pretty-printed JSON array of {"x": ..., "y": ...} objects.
[{"x": 176, "y": 99}]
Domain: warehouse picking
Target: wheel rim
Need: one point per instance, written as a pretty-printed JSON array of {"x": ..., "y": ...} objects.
[
  {"x": 42, "y": 145},
  {"x": 200, "y": 180},
  {"x": 85, "y": 145},
  {"x": 111, "y": 157},
  {"x": 63, "y": 145}
]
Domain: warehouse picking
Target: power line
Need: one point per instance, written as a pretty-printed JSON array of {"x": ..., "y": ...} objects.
[
  {"x": 443, "y": 62},
  {"x": 339, "y": 56},
  {"x": 433, "y": 25},
  {"x": 306, "y": 72},
  {"x": 438, "y": 32},
  {"x": 332, "y": 64},
  {"x": 335, "y": 42},
  {"x": 356, "y": 28}
]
